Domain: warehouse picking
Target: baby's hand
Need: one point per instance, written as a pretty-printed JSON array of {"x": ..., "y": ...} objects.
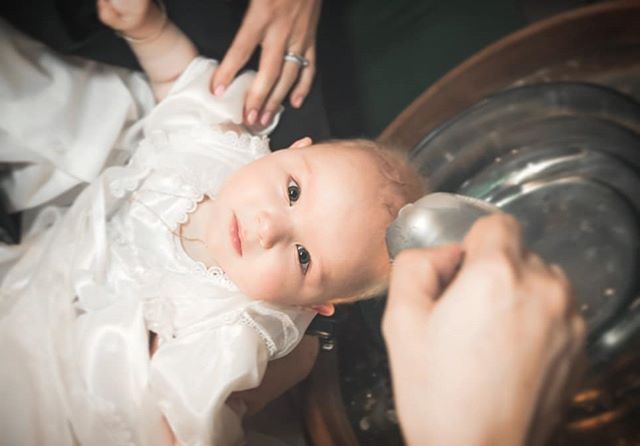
[{"x": 126, "y": 16}]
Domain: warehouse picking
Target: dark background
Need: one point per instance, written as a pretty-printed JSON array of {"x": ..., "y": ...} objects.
[{"x": 374, "y": 56}]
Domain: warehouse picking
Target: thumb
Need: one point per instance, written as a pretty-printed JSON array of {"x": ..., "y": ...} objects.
[{"x": 417, "y": 280}]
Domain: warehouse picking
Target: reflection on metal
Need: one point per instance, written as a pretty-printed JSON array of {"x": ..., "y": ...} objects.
[
  {"x": 564, "y": 159},
  {"x": 435, "y": 219},
  {"x": 598, "y": 44},
  {"x": 567, "y": 161}
]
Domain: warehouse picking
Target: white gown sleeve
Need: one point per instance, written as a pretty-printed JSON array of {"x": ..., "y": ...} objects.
[
  {"x": 191, "y": 103},
  {"x": 64, "y": 119},
  {"x": 192, "y": 377},
  {"x": 193, "y": 373}
]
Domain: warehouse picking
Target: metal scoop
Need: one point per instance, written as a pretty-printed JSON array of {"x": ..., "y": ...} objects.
[{"x": 435, "y": 219}]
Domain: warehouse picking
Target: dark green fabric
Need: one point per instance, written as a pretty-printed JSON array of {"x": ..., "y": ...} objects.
[
  {"x": 400, "y": 47},
  {"x": 72, "y": 26}
]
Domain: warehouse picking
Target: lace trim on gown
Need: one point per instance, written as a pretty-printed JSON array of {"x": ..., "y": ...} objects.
[
  {"x": 215, "y": 273},
  {"x": 268, "y": 341},
  {"x": 230, "y": 136}
]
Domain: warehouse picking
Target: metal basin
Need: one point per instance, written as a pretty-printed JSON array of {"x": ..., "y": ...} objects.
[
  {"x": 564, "y": 158},
  {"x": 516, "y": 125}
]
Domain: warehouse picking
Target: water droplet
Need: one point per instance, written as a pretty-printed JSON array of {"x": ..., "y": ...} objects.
[
  {"x": 364, "y": 424},
  {"x": 609, "y": 292}
]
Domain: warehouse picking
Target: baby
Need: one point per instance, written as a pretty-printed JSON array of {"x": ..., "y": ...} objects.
[{"x": 220, "y": 250}]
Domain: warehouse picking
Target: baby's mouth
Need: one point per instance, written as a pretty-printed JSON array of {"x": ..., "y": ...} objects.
[{"x": 234, "y": 232}]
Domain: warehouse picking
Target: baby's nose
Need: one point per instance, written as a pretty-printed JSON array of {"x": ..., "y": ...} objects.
[{"x": 272, "y": 228}]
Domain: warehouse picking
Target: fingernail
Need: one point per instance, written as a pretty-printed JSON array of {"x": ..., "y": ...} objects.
[
  {"x": 266, "y": 118},
  {"x": 251, "y": 117},
  {"x": 297, "y": 101},
  {"x": 219, "y": 91}
]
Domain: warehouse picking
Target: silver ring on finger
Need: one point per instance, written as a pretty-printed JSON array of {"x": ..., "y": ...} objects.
[{"x": 290, "y": 56}]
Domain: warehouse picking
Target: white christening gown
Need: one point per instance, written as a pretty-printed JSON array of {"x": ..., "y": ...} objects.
[{"x": 76, "y": 308}]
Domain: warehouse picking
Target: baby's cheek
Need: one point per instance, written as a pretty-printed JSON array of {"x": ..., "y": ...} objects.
[
  {"x": 264, "y": 277},
  {"x": 264, "y": 285}
]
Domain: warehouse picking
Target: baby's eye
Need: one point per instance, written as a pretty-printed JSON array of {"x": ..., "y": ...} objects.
[
  {"x": 293, "y": 190},
  {"x": 304, "y": 258}
]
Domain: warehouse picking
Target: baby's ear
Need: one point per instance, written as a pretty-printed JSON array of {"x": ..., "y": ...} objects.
[
  {"x": 302, "y": 142},
  {"x": 324, "y": 309}
]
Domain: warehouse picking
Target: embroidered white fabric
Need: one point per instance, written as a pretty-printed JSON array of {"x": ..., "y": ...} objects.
[{"x": 77, "y": 305}]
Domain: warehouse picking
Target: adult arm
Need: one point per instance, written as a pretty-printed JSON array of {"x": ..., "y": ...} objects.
[
  {"x": 477, "y": 359},
  {"x": 161, "y": 48},
  {"x": 281, "y": 375}
]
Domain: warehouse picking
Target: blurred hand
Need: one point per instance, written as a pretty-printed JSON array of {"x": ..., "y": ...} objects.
[
  {"x": 126, "y": 16},
  {"x": 277, "y": 26},
  {"x": 488, "y": 356}
]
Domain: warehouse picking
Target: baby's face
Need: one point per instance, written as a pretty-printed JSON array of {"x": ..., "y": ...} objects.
[{"x": 301, "y": 226}]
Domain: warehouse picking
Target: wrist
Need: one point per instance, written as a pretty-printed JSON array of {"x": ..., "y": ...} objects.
[
  {"x": 463, "y": 436},
  {"x": 440, "y": 420},
  {"x": 151, "y": 26}
]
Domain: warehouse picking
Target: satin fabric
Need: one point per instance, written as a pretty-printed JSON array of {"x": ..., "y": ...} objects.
[
  {"x": 62, "y": 119},
  {"x": 76, "y": 307}
]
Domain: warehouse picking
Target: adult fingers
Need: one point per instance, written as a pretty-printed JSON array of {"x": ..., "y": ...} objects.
[
  {"x": 565, "y": 331},
  {"x": 496, "y": 232},
  {"x": 565, "y": 297},
  {"x": 494, "y": 241},
  {"x": 417, "y": 279},
  {"x": 291, "y": 72},
  {"x": 243, "y": 46},
  {"x": 271, "y": 64},
  {"x": 288, "y": 76},
  {"x": 302, "y": 88},
  {"x": 551, "y": 285},
  {"x": 561, "y": 381}
]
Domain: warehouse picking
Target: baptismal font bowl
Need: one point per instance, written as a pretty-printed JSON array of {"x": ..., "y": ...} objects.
[{"x": 544, "y": 124}]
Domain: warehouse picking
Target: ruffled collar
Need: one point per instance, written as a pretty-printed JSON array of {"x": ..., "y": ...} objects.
[{"x": 214, "y": 273}]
